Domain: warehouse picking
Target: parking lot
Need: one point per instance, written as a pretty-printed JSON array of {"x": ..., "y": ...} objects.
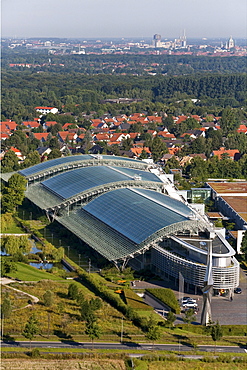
[{"x": 224, "y": 310}]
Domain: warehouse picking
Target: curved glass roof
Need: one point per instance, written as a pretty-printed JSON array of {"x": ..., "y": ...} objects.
[
  {"x": 70, "y": 183},
  {"x": 137, "y": 213},
  {"x": 66, "y": 160}
]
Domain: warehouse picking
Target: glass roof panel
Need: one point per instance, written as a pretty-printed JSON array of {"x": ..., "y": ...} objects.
[
  {"x": 134, "y": 215},
  {"x": 63, "y": 160},
  {"x": 70, "y": 183},
  {"x": 53, "y": 162}
]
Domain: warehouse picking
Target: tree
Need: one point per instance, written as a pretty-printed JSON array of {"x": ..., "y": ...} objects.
[
  {"x": 229, "y": 120},
  {"x": 73, "y": 291},
  {"x": 153, "y": 331},
  {"x": 31, "y": 328},
  {"x": 189, "y": 316},
  {"x": 6, "y": 310},
  {"x": 244, "y": 245},
  {"x": 55, "y": 153},
  {"x": 158, "y": 148},
  {"x": 31, "y": 159},
  {"x": 11, "y": 245},
  {"x": 13, "y": 193},
  {"x": 25, "y": 245},
  {"x": 9, "y": 162},
  {"x": 48, "y": 298},
  {"x": 92, "y": 330},
  {"x": 216, "y": 332},
  {"x": 170, "y": 319},
  {"x": 87, "y": 312},
  {"x": 7, "y": 266}
]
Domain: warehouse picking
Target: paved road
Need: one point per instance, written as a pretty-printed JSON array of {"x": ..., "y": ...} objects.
[
  {"x": 124, "y": 346},
  {"x": 225, "y": 311}
]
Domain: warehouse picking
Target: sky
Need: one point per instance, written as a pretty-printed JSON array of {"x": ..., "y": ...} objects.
[{"x": 125, "y": 18}]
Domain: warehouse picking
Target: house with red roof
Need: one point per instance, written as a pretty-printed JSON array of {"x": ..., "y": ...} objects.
[
  {"x": 31, "y": 124},
  {"x": 166, "y": 135},
  {"x": 101, "y": 137},
  {"x": 48, "y": 124},
  {"x": 18, "y": 153},
  {"x": 41, "y": 136},
  {"x": 7, "y": 126},
  {"x": 4, "y": 136},
  {"x": 66, "y": 125},
  {"x": 64, "y": 136},
  {"x": 180, "y": 119},
  {"x": 242, "y": 128},
  {"x": 155, "y": 119},
  {"x": 46, "y": 110},
  {"x": 233, "y": 154},
  {"x": 137, "y": 151}
]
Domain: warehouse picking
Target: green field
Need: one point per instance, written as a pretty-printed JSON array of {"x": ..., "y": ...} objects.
[{"x": 28, "y": 273}]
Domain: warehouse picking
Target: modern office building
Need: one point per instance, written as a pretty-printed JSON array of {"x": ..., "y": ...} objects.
[{"x": 129, "y": 212}]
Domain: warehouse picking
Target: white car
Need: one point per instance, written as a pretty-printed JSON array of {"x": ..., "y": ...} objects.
[
  {"x": 188, "y": 299},
  {"x": 190, "y": 304}
]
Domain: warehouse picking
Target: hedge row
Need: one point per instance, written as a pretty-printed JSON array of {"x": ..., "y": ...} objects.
[
  {"x": 228, "y": 330},
  {"x": 112, "y": 298},
  {"x": 134, "y": 301},
  {"x": 167, "y": 297}
]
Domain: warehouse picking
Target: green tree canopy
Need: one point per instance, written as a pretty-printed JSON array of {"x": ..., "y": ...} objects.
[
  {"x": 13, "y": 193},
  {"x": 31, "y": 329},
  {"x": 9, "y": 162}
]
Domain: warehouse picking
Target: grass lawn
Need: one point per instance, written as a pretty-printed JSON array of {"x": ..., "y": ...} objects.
[
  {"x": 14, "y": 229},
  {"x": 28, "y": 273}
]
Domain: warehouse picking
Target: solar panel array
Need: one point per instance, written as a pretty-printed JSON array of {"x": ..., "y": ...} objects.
[
  {"x": 70, "y": 183},
  {"x": 54, "y": 162},
  {"x": 134, "y": 215},
  {"x": 65, "y": 160}
]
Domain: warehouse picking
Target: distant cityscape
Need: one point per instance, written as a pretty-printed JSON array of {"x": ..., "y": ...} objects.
[{"x": 156, "y": 45}]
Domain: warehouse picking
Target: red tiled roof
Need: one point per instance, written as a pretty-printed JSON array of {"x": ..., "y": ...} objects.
[
  {"x": 138, "y": 151},
  {"x": 41, "y": 135},
  {"x": 48, "y": 108},
  {"x": 50, "y": 123},
  {"x": 66, "y": 125},
  {"x": 231, "y": 152},
  {"x": 102, "y": 137},
  {"x": 8, "y": 125},
  {"x": 31, "y": 124},
  {"x": 154, "y": 119}
]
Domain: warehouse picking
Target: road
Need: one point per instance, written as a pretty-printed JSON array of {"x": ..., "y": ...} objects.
[{"x": 123, "y": 346}]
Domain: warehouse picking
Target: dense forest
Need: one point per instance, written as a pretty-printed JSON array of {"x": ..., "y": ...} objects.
[
  {"x": 127, "y": 64},
  {"x": 76, "y": 92}
]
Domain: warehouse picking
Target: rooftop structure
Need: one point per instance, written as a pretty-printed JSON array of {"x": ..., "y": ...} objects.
[{"x": 129, "y": 212}]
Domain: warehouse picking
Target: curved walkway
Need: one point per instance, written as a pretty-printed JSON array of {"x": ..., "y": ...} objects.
[{"x": 6, "y": 281}]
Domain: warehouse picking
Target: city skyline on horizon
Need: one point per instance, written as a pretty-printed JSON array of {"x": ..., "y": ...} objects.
[{"x": 131, "y": 19}]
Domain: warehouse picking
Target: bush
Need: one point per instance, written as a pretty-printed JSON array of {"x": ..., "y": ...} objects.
[
  {"x": 167, "y": 297},
  {"x": 134, "y": 301},
  {"x": 35, "y": 353}
]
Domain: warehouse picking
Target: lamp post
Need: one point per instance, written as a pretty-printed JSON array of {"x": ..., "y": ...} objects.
[
  {"x": 68, "y": 250},
  {"x": 79, "y": 260},
  {"x": 121, "y": 338},
  {"x": 30, "y": 216},
  {"x": 89, "y": 265}
]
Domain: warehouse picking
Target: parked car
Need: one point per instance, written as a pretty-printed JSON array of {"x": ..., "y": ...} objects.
[
  {"x": 188, "y": 299},
  {"x": 190, "y": 304},
  {"x": 238, "y": 290}
]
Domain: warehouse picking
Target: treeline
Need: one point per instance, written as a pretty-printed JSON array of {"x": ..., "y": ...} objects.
[
  {"x": 130, "y": 64},
  {"x": 22, "y": 91}
]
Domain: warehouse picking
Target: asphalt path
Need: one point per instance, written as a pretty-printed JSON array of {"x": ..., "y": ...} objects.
[{"x": 122, "y": 346}]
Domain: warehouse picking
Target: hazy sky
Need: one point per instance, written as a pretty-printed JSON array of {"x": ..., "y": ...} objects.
[{"x": 123, "y": 18}]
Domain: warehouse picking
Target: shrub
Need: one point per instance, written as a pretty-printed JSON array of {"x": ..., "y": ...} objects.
[
  {"x": 167, "y": 297},
  {"x": 134, "y": 301}
]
